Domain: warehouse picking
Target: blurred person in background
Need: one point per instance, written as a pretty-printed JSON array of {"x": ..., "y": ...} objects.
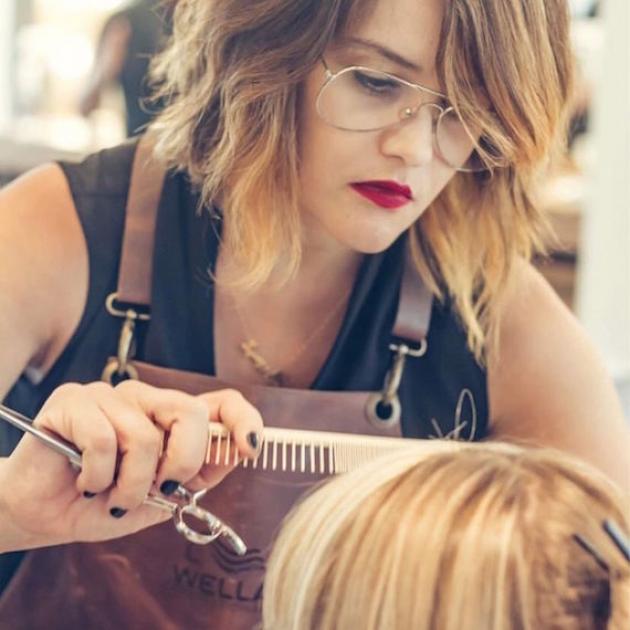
[
  {"x": 582, "y": 10},
  {"x": 128, "y": 41}
]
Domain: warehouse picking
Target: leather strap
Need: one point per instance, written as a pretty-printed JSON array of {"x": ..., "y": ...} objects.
[
  {"x": 145, "y": 190},
  {"x": 136, "y": 265},
  {"x": 414, "y": 306}
]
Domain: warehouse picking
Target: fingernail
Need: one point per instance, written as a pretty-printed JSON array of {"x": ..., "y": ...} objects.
[
  {"x": 169, "y": 486},
  {"x": 89, "y": 495},
  {"x": 252, "y": 438},
  {"x": 117, "y": 512}
]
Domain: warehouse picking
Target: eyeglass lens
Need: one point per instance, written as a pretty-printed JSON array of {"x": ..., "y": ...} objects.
[{"x": 361, "y": 99}]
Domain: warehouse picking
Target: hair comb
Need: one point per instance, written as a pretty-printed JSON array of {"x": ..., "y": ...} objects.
[{"x": 308, "y": 452}]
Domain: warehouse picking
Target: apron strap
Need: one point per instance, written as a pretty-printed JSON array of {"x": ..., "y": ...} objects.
[
  {"x": 414, "y": 306},
  {"x": 145, "y": 190},
  {"x": 415, "y": 301},
  {"x": 132, "y": 299}
]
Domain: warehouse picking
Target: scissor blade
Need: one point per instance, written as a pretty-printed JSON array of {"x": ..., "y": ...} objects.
[{"x": 49, "y": 439}]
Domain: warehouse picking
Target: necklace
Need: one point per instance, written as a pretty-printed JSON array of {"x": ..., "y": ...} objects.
[{"x": 250, "y": 348}]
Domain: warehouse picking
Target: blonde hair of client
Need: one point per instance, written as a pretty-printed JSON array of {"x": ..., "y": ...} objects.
[{"x": 482, "y": 537}]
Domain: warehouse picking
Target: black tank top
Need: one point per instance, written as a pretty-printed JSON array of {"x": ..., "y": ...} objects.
[{"x": 443, "y": 393}]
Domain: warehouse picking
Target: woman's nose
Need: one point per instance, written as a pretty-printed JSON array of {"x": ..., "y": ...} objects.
[{"x": 412, "y": 139}]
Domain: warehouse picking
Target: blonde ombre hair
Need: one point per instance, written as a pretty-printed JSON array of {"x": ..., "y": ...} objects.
[
  {"x": 232, "y": 74},
  {"x": 483, "y": 537}
]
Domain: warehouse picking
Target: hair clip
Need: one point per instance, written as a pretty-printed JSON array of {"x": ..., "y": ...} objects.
[
  {"x": 588, "y": 547},
  {"x": 618, "y": 537}
]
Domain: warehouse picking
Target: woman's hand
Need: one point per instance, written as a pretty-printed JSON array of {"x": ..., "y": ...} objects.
[{"x": 134, "y": 439}]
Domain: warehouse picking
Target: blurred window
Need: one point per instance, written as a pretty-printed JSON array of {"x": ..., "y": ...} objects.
[{"x": 53, "y": 50}]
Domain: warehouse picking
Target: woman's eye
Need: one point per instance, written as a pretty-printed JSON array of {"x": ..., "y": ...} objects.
[{"x": 376, "y": 84}]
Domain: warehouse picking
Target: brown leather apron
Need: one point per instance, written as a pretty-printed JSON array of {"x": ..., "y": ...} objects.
[{"x": 156, "y": 579}]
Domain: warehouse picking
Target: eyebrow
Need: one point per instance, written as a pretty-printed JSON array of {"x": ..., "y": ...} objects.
[{"x": 383, "y": 51}]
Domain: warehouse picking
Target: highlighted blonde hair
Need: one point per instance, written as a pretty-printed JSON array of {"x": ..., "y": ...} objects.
[
  {"x": 480, "y": 537},
  {"x": 232, "y": 74}
]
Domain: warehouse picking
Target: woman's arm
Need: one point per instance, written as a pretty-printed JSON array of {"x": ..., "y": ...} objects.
[
  {"x": 548, "y": 386},
  {"x": 43, "y": 272},
  {"x": 119, "y": 431}
]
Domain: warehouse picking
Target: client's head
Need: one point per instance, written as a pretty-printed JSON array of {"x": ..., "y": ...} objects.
[{"x": 489, "y": 536}]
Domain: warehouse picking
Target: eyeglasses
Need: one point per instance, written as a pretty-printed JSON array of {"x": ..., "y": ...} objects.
[{"x": 357, "y": 98}]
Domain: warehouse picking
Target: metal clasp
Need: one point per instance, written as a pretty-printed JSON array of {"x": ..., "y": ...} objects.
[
  {"x": 121, "y": 368},
  {"x": 383, "y": 409}
]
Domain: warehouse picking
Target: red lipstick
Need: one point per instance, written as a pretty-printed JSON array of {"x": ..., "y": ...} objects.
[{"x": 387, "y": 194}]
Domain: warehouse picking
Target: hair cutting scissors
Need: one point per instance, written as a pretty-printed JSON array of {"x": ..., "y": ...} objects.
[{"x": 181, "y": 504}]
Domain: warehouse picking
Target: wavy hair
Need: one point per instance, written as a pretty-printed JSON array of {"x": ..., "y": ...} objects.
[
  {"x": 483, "y": 537},
  {"x": 232, "y": 75}
]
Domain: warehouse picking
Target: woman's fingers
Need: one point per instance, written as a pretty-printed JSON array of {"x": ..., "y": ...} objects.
[
  {"x": 240, "y": 417},
  {"x": 135, "y": 436},
  {"x": 244, "y": 423},
  {"x": 93, "y": 435},
  {"x": 184, "y": 420},
  {"x": 139, "y": 449},
  {"x": 120, "y": 446},
  {"x": 99, "y": 449}
]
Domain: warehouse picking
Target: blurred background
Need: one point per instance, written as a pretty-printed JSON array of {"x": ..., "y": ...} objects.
[{"x": 71, "y": 76}]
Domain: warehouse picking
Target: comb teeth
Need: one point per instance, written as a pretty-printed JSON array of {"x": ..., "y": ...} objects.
[{"x": 303, "y": 452}]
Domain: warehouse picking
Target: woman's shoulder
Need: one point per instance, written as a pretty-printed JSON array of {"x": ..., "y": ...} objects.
[
  {"x": 44, "y": 271},
  {"x": 61, "y": 228},
  {"x": 530, "y": 304},
  {"x": 535, "y": 327},
  {"x": 58, "y": 225},
  {"x": 548, "y": 383}
]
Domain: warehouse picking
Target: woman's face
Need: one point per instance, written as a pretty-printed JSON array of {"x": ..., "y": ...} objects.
[{"x": 400, "y": 37}]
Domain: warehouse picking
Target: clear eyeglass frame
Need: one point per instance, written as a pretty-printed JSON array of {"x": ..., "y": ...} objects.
[{"x": 406, "y": 113}]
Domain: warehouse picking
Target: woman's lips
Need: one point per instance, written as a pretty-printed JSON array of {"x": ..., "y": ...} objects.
[{"x": 384, "y": 193}]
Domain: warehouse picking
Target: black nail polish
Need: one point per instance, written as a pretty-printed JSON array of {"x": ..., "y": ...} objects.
[
  {"x": 117, "y": 512},
  {"x": 168, "y": 487},
  {"x": 252, "y": 438},
  {"x": 89, "y": 495}
]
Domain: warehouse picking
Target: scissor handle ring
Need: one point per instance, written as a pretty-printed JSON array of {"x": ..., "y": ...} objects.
[
  {"x": 213, "y": 524},
  {"x": 216, "y": 527}
]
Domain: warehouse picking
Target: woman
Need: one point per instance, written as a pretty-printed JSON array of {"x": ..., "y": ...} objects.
[
  {"x": 322, "y": 142},
  {"x": 492, "y": 536}
]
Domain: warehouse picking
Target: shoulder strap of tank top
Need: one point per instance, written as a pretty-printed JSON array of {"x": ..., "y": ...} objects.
[
  {"x": 145, "y": 190},
  {"x": 135, "y": 276}
]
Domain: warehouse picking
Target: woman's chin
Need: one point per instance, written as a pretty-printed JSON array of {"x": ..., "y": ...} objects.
[{"x": 371, "y": 243}]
